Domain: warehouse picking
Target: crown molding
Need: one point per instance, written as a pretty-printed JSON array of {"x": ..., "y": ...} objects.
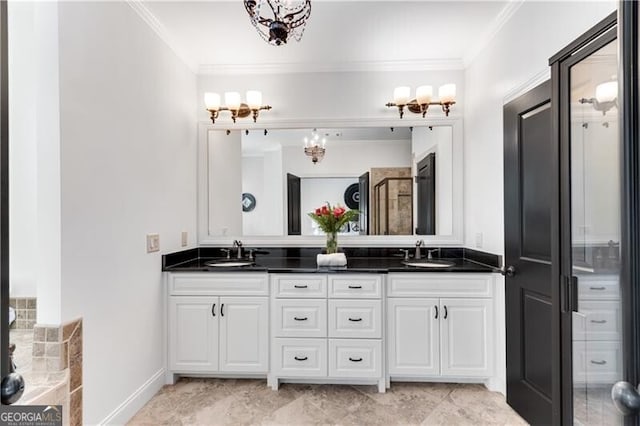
[
  {"x": 492, "y": 30},
  {"x": 154, "y": 23},
  {"x": 365, "y": 66},
  {"x": 537, "y": 79}
]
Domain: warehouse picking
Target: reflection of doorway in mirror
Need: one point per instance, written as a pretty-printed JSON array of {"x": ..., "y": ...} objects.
[
  {"x": 391, "y": 201},
  {"x": 316, "y": 192}
]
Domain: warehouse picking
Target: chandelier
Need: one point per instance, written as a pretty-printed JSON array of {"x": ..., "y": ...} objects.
[
  {"x": 420, "y": 104},
  {"x": 315, "y": 148},
  {"x": 278, "y": 20}
]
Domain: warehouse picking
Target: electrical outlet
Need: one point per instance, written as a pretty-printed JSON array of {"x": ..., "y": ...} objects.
[
  {"x": 479, "y": 240},
  {"x": 153, "y": 243},
  {"x": 185, "y": 238}
]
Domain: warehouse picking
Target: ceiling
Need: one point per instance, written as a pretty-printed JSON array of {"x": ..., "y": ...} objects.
[{"x": 214, "y": 36}]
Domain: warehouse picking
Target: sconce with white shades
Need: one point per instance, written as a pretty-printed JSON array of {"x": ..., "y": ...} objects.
[
  {"x": 606, "y": 97},
  {"x": 234, "y": 104},
  {"x": 424, "y": 98}
]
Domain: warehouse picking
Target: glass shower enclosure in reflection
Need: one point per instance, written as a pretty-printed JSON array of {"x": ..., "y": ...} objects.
[{"x": 595, "y": 234}]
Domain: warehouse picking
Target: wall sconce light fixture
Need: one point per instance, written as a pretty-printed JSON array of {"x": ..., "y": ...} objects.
[
  {"x": 424, "y": 95},
  {"x": 315, "y": 148},
  {"x": 606, "y": 97},
  {"x": 234, "y": 104}
]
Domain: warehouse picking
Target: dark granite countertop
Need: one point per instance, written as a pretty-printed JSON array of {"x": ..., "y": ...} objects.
[{"x": 279, "y": 260}]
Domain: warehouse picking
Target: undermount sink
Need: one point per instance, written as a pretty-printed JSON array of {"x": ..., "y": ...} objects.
[
  {"x": 429, "y": 264},
  {"x": 229, "y": 264}
]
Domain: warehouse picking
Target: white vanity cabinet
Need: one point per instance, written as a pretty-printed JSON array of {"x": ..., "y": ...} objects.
[
  {"x": 327, "y": 328},
  {"x": 440, "y": 325},
  {"x": 218, "y": 323}
]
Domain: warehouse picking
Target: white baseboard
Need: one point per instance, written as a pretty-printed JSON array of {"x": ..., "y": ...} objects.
[{"x": 125, "y": 411}]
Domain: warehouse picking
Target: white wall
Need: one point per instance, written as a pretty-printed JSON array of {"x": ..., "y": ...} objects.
[
  {"x": 262, "y": 177},
  {"x": 518, "y": 53},
  {"x": 328, "y": 96},
  {"x": 128, "y": 168},
  {"x": 23, "y": 149},
  {"x": 316, "y": 192},
  {"x": 225, "y": 183}
]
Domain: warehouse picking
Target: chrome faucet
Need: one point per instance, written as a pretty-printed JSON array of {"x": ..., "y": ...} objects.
[
  {"x": 430, "y": 256},
  {"x": 418, "y": 255},
  {"x": 238, "y": 244}
]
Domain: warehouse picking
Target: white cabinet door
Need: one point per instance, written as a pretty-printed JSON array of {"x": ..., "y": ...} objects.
[
  {"x": 414, "y": 337},
  {"x": 466, "y": 337},
  {"x": 244, "y": 334},
  {"x": 193, "y": 333}
]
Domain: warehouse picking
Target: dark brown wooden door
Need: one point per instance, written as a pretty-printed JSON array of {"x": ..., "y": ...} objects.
[
  {"x": 294, "y": 219},
  {"x": 363, "y": 207},
  {"x": 426, "y": 172},
  {"x": 528, "y": 198}
]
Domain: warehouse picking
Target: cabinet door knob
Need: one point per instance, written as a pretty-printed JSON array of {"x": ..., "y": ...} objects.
[
  {"x": 355, "y": 359},
  {"x": 602, "y": 362},
  {"x": 446, "y": 313},
  {"x": 300, "y": 286},
  {"x": 436, "y": 308},
  {"x": 213, "y": 310},
  {"x": 597, "y": 288},
  {"x": 222, "y": 310},
  {"x": 355, "y": 319},
  {"x": 304, "y": 358},
  {"x": 355, "y": 286},
  {"x": 599, "y": 321},
  {"x": 300, "y": 319}
]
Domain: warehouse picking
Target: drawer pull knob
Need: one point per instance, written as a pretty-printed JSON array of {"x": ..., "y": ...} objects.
[
  {"x": 300, "y": 286},
  {"x": 300, "y": 319},
  {"x": 355, "y": 359},
  {"x": 597, "y": 288},
  {"x": 355, "y": 319},
  {"x": 304, "y": 358},
  {"x": 603, "y": 362},
  {"x": 355, "y": 286},
  {"x": 599, "y": 321}
]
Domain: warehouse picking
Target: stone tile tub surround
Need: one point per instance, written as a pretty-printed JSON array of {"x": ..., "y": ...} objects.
[
  {"x": 58, "y": 348},
  {"x": 25, "y": 312},
  {"x": 202, "y": 254}
]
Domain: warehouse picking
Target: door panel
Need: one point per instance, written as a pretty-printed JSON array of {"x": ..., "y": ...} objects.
[
  {"x": 193, "y": 333},
  {"x": 528, "y": 159},
  {"x": 363, "y": 217},
  {"x": 594, "y": 190},
  {"x": 294, "y": 215},
  {"x": 466, "y": 337},
  {"x": 414, "y": 347},
  {"x": 244, "y": 334},
  {"x": 426, "y": 202}
]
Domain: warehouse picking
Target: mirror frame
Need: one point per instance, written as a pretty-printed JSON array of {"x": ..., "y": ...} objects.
[{"x": 455, "y": 239}]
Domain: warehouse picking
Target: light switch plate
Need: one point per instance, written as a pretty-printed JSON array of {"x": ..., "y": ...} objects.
[
  {"x": 185, "y": 238},
  {"x": 153, "y": 243}
]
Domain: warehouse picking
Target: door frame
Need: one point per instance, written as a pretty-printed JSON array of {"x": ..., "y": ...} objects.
[
  {"x": 629, "y": 43},
  {"x": 4, "y": 194}
]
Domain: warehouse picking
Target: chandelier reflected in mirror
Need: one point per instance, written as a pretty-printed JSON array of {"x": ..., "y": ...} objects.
[
  {"x": 279, "y": 20},
  {"x": 314, "y": 147}
]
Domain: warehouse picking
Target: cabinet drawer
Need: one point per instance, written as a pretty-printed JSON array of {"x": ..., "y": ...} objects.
[
  {"x": 598, "y": 288},
  {"x": 218, "y": 284},
  {"x": 427, "y": 284},
  {"x": 355, "y": 358},
  {"x": 300, "y": 285},
  {"x": 355, "y": 286},
  {"x": 597, "y": 362},
  {"x": 355, "y": 318},
  {"x": 300, "y": 318},
  {"x": 600, "y": 320},
  {"x": 300, "y": 357}
]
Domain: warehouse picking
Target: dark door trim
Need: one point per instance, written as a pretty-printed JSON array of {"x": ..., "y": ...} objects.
[
  {"x": 4, "y": 194},
  {"x": 630, "y": 224},
  {"x": 563, "y": 292}
]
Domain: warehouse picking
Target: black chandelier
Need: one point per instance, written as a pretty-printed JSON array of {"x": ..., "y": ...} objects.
[{"x": 278, "y": 20}]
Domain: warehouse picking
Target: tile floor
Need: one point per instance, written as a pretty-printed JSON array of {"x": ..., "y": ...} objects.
[{"x": 235, "y": 402}]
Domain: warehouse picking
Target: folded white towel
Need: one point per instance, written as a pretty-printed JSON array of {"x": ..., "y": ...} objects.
[{"x": 334, "y": 259}]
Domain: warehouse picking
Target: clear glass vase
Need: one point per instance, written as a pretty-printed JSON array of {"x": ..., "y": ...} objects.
[{"x": 332, "y": 242}]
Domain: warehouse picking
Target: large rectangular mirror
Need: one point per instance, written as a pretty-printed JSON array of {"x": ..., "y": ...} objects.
[{"x": 404, "y": 181}]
